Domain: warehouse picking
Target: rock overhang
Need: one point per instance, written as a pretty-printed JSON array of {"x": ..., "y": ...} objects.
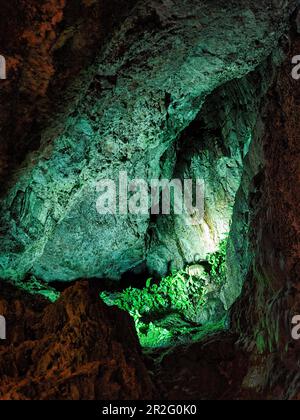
[{"x": 153, "y": 78}]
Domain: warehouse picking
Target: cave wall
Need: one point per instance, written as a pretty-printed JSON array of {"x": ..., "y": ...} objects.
[
  {"x": 148, "y": 84},
  {"x": 270, "y": 298},
  {"x": 47, "y": 44},
  {"x": 212, "y": 148},
  {"x": 258, "y": 358}
]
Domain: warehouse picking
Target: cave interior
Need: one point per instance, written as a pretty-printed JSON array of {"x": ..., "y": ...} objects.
[{"x": 145, "y": 306}]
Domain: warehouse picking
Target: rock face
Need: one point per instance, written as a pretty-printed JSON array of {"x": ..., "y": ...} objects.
[
  {"x": 270, "y": 297},
  {"x": 213, "y": 148},
  {"x": 148, "y": 85},
  {"x": 139, "y": 108},
  {"x": 46, "y": 44},
  {"x": 69, "y": 350}
]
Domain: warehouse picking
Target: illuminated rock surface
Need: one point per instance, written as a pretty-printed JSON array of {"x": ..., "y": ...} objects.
[
  {"x": 260, "y": 360},
  {"x": 45, "y": 213},
  {"x": 148, "y": 85}
]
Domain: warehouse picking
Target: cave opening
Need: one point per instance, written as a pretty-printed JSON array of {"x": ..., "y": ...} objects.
[
  {"x": 190, "y": 275},
  {"x": 157, "y": 92},
  {"x": 183, "y": 290}
]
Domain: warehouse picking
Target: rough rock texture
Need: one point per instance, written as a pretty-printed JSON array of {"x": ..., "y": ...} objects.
[
  {"x": 211, "y": 370},
  {"x": 148, "y": 85},
  {"x": 270, "y": 297},
  {"x": 46, "y": 44},
  {"x": 213, "y": 148},
  {"x": 77, "y": 348},
  {"x": 258, "y": 359}
]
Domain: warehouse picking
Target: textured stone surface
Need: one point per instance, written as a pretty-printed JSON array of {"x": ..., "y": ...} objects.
[
  {"x": 270, "y": 297},
  {"x": 47, "y": 44},
  {"x": 77, "y": 348},
  {"x": 148, "y": 85},
  {"x": 213, "y": 148}
]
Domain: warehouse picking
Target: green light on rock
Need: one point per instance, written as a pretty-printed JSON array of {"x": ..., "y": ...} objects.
[
  {"x": 35, "y": 287},
  {"x": 182, "y": 307}
]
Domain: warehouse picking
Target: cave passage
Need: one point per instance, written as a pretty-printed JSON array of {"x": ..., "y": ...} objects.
[
  {"x": 195, "y": 272},
  {"x": 180, "y": 308},
  {"x": 149, "y": 305}
]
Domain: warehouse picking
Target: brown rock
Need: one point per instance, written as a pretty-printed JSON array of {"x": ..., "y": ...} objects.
[
  {"x": 270, "y": 298},
  {"x": 76, "y": 348},
  {"x": 212, "y": 369},
  {"x": 46, "y": 44}
]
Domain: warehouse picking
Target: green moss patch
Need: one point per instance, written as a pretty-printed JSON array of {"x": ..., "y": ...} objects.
[{"x": 182, "y": 307}]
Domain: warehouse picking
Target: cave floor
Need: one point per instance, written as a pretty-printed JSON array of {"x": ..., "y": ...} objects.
[{"x": 212, "y": 369}]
